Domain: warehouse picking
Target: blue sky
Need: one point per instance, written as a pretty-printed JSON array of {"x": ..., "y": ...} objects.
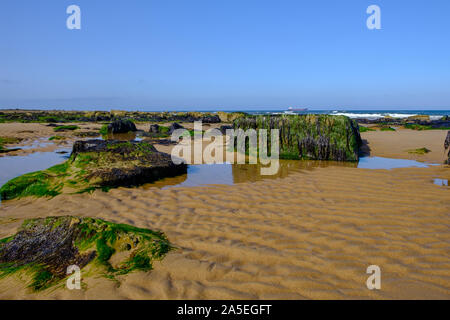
[{"x": 225, "y": 54}]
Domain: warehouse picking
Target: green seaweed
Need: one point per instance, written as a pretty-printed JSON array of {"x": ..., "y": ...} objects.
[
  {"x": 42, "y": 279},
  {"x": 420, "y": 151},
  {"x": 8, "y": 140},
  {"x": 144, "y": 246},
  {"x": 78, "y": 174},
  {"x": 31, "y": 184},
  {"x": 56, "y": 138},
  {"x": 309, "y": 137},
  {"x": 104, "y": 130},
  {"x": 420, "y": 127},
  {"x": 65, "y": 128},
  {"x": 365, "y": 129}
]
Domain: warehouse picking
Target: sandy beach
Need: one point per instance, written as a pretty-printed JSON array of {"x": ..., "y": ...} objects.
[{"x": 310, "y": 234}]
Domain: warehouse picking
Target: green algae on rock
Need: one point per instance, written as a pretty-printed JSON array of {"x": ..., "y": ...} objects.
[
  {"x": 56, "y": 116},
  {"x": 96, "y": 164},
  {"x": 45, "y": 247},
  {"x": 309, "y": 137},
  {"x": 8, "y": 140},
  {"x": 420, "y": 151},
  {"x": 66, "y": 128}
]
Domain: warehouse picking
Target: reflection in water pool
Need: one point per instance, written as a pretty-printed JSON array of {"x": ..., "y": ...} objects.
[
  {"x": 200, "y": 175},
  {"x": 229, "y": 174},
  {"x": 39, "y": 143},
  {"x": 122, "y": 136},
  {"x": 204, "y": 174}
]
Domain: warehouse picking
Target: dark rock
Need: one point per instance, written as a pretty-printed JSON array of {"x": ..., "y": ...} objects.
[
  {"x": 211, "y": 119},
  {"x": 2, "y": 150},
  {"x": 85, "y": 134},
  {"x": 447, "y": 145},
  {"x": 118, "y": 163},
  {"x": 313, "y": 137},
  {"x": 96, "y": 164},
  {"x": 224, "y": 129},
  {"x": 91, "y": 116},
  {"x": 45, "y": 247},
  {"x": 447, "y": 141},
  {"x": 121, "y": 126},
  {"x": 164, "y": 142},
  {"x": 174, "y": 126},
  {"x": 154, "y": 128},
  {"x": 47, "y": 244}
]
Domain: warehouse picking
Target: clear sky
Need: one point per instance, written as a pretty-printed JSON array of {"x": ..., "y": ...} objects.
[{"x": 225, "y": 54}]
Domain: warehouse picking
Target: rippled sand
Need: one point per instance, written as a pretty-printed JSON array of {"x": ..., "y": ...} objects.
[{"x": 308, "y": 235}]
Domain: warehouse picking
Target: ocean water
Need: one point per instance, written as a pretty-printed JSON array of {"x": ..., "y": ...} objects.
[{"x": 368, "y": 114}]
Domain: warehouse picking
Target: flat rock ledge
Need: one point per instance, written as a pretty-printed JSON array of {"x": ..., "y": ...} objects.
[
  {"x": 96, "y": 164},
  {"x": 44, "y": 248}
]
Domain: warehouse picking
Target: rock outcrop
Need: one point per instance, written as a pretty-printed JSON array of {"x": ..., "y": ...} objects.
[
  {"x": 230, "y": 116},
  {"x": 122, "y": 126},
  {"x": 447, "y": 146},
  {"x": 93, "y": 116},
  {"x": 313, "y": 137},
  {"x": 123, "y": 163},
  {"x": 46, "y": 247},
  {"x": 96, "y": 164},
  {"x": 154, "y": 128},
  {"x": 174, "y": 126}
]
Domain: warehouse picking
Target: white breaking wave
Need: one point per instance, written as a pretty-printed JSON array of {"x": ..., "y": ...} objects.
[{"x": 374, "y": 115}]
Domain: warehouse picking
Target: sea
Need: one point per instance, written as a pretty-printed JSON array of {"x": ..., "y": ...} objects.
[{"x": 367, "y": 114}]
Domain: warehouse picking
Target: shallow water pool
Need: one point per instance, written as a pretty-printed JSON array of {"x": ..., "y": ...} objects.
[
  {"x": 441, "y": 182},
  {"x": 14, "y": 166},
  {"x": 389, "y": 163}
]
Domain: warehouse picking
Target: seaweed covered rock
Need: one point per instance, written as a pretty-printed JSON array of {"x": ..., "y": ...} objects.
[
  {"x": 312, "y": 137},
  {"x": 8, "y": 140},
  {"x": 223, "y": 129},
  {"x": 230, "y": 116},
  {"x": 174, "y": 126},
  {"x": 447, "y": 145},
  {"x": 157, "y": 131},
  {"x": 46, "y": 247},
  {"x": 96, "y": 164},
  {"x": 122, "y": 126},
  {"x": 154, "y": 128},
  {"x": 48, "y": 116}
]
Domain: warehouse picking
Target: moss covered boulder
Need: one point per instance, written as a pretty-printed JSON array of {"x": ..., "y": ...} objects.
[
  {"x": 312, "y": 137},
  {"x": 96, "y": 164},
  {"x": 44, "y": 248}
]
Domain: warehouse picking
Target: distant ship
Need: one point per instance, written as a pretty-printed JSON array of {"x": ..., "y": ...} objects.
[{"x": 297, "y": 109}]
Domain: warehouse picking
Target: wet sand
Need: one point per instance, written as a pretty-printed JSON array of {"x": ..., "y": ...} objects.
[{"x": 309, "y": 234}]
